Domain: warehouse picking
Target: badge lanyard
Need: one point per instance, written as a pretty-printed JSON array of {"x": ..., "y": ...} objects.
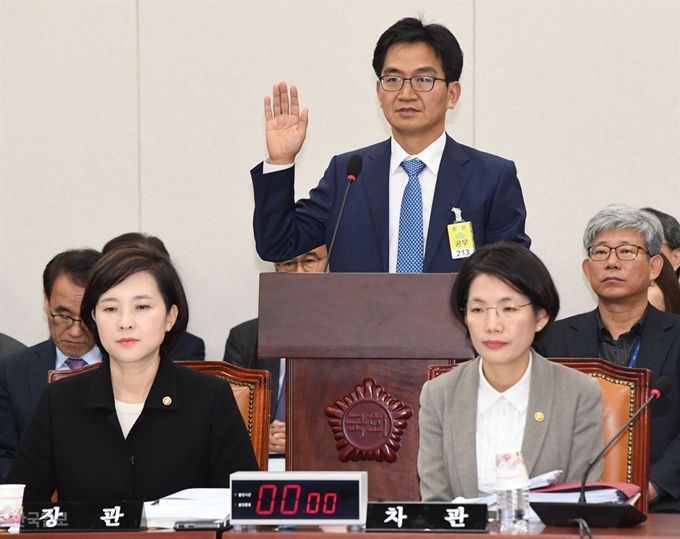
[
  {"x": 461, "y": 238},
  {"x": 633, "y": 358}
]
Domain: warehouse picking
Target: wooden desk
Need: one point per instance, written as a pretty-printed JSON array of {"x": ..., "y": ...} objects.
[
  {"x": 151, "y": 534},
  {"x": 657, "y": 526}
]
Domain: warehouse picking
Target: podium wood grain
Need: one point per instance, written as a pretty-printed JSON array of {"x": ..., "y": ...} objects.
[{"x": 339, "y": 329}]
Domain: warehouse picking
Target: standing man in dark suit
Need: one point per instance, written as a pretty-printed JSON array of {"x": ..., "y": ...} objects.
[
  {"x": 422, "y": 202},
  {"x": 241, "y": 349},
  {"x": 24, "y": 374},
  {"x": 623, "y": 246}
]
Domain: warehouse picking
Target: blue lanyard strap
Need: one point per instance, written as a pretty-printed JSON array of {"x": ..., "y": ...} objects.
[{"x": 633, "y": 358}]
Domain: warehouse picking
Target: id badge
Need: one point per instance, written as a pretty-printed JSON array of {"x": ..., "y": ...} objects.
[{"x": 461, "y": 239}]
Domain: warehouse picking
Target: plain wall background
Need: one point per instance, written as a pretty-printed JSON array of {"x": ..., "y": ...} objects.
[{"x": 147, "y": 115}]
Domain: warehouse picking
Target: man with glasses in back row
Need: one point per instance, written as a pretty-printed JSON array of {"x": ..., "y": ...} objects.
[
  {"x": 422, "y": 202},
  {"x": 623, "y": 246},
  {"x": 241, "y": 349},
  {"x": 23, "y": 375}
]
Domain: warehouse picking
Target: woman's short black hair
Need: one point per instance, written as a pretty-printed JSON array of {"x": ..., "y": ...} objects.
[
  {"x": 516, "y": 266},
  {"x": 119, "y": 264},
  {"x": 135, "y": 239}
]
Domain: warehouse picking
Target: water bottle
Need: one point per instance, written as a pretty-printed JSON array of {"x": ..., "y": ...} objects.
[
  {"x": 512, "y": 492},
  {"x": 513, "y": 510}
]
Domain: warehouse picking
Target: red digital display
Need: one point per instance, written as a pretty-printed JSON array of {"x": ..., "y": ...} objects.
[
  {"x": 311, "y": 500},
  {"x": 288, "y": 500}
]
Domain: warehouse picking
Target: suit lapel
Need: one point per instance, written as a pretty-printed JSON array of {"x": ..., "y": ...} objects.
[
  {"x": 464, "y": 428},
  {"x": 540, "y": 402},
  {"x": 44, "y": 361},
  {"x": 451, "y": 182},
  {"x": 656, "y": 341},
  {"x": 375, "y": 181},
  {"x": 582, "y": 339}
]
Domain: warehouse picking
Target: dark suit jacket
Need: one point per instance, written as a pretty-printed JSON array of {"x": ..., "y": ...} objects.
[
  {"x": 577, "y": 337},
  {"x": 23, "y": 376},
  {"x": 483, "y": 186},
  {"x": 8, "y": 345},
  {"x": 74, "y": 442},
  {"x": 188, "y": 347},
  {"x": 241, "y": 350}
]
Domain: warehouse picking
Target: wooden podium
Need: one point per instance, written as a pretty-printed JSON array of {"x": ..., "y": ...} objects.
[{"x": 359, "y": 347}]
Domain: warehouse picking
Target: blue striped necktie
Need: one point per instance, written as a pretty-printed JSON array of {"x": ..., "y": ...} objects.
[
  {"x": 280, "y": 412},
  {"x": 411, "y": 247}
]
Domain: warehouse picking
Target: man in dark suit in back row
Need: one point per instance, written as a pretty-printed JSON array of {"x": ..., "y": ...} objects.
[
  {"x": 422, "y": 201},
  {"x": 9, "y": 345},
  {"x": 23, "y": 375},
  {"x": 241, "y": 349},
  {"x": 623, "y": 246}
]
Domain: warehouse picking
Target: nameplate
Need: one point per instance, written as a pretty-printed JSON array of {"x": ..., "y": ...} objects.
[
  {"x": 431, "y": 516},
  {"x": 81, "y": 516}
]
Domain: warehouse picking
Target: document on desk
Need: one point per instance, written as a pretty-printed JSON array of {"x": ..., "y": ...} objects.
[
  {"x": 596, "y": 492},
  {"x": 540, "y": 481},
  {"x": 187, "y": 505}
]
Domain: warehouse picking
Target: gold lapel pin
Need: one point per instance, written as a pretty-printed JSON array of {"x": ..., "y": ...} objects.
[
  {"x": 167, "y": 401},
  {"x": 538, "y": 416}
]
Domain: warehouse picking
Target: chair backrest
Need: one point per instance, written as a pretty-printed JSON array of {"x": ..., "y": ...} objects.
[
  {"x": 252, "y": 390},
  {"x": 623, "y": 392}
]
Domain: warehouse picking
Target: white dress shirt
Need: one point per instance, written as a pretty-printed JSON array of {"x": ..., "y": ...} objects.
[
  {"x": 282, "y": 374},
  {"x": 432, "y": 157},
  {"x": 501, "y": 418}
]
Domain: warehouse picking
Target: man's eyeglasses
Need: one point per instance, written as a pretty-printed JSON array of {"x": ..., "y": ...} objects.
[
  {"x": 507, "y": 311},
  {"x": 63, "y": 321},
  {"x": 308, "y": 264},
  {"x": 600, "y": 253},
  {"x": 393, "y": 83}
]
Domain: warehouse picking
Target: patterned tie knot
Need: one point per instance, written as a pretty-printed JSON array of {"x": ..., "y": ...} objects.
[
  {"x": 413, "y": 167},
  {"x": 75, "y": 363}
]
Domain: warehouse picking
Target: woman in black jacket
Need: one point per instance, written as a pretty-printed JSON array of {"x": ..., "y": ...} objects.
[{"x": 139, "y": 427}]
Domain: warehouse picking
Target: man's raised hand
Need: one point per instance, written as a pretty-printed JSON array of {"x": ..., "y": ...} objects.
[{"x": 286, "y": 126}]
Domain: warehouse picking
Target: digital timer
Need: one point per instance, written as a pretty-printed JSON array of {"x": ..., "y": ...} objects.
[{"x": 308, "y": 498}]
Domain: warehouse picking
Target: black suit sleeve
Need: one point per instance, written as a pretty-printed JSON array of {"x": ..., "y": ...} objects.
[
  {"x": 9, "y": 430},
  {"x": 231, "y": 450},
  {"x": 241, "y": 347},
  {"x": 34, "y": 463}
]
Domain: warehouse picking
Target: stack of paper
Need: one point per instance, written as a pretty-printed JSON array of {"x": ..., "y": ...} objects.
[
  {"x": 596, "y": 492},
  {"x": 545, "y": 480},
  {"x": 187, "y": 505}
]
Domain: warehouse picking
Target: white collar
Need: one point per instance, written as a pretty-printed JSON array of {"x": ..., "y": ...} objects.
[
  {"x": 517, "y": 395},
  {"x": 91, "y": 357},
  {"x": 431, "y": 156}
]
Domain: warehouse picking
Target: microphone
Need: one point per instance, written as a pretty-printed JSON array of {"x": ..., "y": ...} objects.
[
  {"x": 353, "y": 169},
  {"x": 607, "y": 515},
  {"x": 659, "y": 388},
  {"x": 354, "y": 166}
]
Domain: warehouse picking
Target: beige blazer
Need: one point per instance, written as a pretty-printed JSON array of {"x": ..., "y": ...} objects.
[{"x": 569, "y": 435}]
